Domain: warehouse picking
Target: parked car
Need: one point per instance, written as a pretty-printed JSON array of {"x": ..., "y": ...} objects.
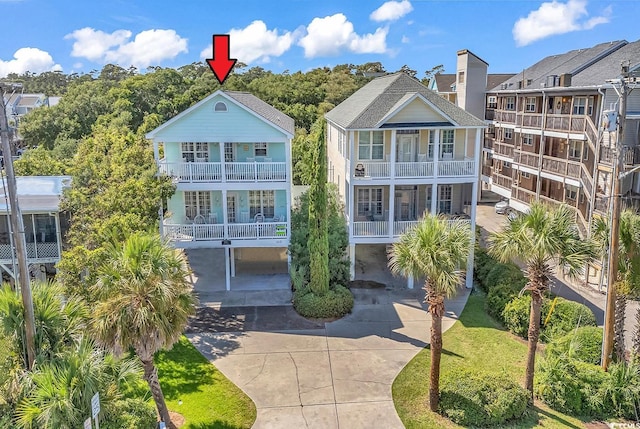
[{"x": 502, "y": 206}]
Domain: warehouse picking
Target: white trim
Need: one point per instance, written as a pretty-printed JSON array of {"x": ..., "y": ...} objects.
[{"x": 152, "y": 134}]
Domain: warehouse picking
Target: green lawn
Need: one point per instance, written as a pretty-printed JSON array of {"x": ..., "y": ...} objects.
[
  {"x": 475, "y": 342},
  {"x": 209, "y": 399}
]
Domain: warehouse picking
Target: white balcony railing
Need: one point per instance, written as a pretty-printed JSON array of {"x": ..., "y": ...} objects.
[
  {"x": 370, "y": 170},
  {"x": 255, "y": 171},
  {"x": 232, "y": 231},
  {"x": 376, "y": 228},
  {"x": 414, "y": 169},
  {"x": 401, "y": 226},
  {"x": 191, "y": 172},
  {"x": 381, "y": 170},
  {"x": 456, "y": 168},
  {"x": 35, "y": 251}
]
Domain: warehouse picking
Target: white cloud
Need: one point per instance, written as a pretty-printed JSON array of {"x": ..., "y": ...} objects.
[
  {"x": 553, "y": 18},
  {"x": 255, "y": 42},
  {"x": 332, "y": 34},
  {"x": 32, "y": 60},
  {"x": 149, "y": 47},
  {"x": 391, "y": 10},
  {"x": 405, "y": 39}
]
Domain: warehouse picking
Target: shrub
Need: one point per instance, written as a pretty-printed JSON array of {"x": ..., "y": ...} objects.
[
  {"x": 480, "y": 399},
  {"x": 571, "y": 386},
  {"x": 498, "y": 298},
  {"x": 505, "y": 274},
  {"x": 483, "y": 265},
  {"x": 565, "y": 316},
  {"x": 583, "y": 344},
  {"x": 337, "y": 302},
  {"x": 620, "y": 391},
  {"x": 131, "y": 414},
  {"x": 516, "y": 315}
]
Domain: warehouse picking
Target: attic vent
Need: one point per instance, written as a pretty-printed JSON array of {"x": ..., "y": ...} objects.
[{"x": 220, "y": 107}]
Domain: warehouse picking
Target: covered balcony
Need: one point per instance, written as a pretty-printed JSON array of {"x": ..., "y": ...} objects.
[
  {"x": 372, "y": 217},
  {"x": 248, "y": 171},
  {"x": 42, "y": 238}
]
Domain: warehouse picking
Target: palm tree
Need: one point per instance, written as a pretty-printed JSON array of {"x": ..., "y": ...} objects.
[
  {"x": 437, "y": 250},
  {"x": 628, "y": 279},
  {"x": 541, "y": 238},
  {"x": 143, "y": 303}
]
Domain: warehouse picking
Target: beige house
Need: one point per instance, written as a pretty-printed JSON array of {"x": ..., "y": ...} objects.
[{"x": 396, "y": 150}]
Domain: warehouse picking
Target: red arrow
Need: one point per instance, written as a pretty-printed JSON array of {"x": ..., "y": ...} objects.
[{"x": 221, "y": 64}]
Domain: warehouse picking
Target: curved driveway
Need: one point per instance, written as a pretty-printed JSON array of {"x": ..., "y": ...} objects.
[{"x": 320, "y": 375}]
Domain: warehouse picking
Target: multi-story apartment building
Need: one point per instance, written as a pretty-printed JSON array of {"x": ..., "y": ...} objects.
[
  {"x": 397, "y": 149},
  {"x": 546, "y": 141},
  {"x": 230, "y": 158}
]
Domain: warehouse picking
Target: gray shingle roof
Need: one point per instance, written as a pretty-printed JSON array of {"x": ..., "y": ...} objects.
[
  {"x": 444, "y": 81},
  {"x": 575, "y": 62},
  {"x": 609, "y": 66},
  {"x": 263, "y": 109},
  {"x": 371, "y": 103}
]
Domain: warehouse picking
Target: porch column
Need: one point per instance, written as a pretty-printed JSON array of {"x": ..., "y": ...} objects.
[
  {"x": 410, "y": 282},
  {"x": 223, "y": 167},
  {"x": 472, "y": 214},
  {"x": 392, "y": 155},
  {"x": 351, "y": 203},
  {"x": 392, "y": 208},
  {"x": 58, "y": 233},
  {"x": 352, "y": 261},
  {"x": 225, "y": 215},
  {"x": 227, "y": 273},
  {"x": 233, "y": 262},
  {"x": 466, "y": 137},
  {"x": 434, "y": 197},
  {"x": 156, "y": 151},
  {"x": 436, "y": 151}
]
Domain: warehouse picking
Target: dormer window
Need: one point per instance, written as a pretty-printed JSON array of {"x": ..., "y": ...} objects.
[{"x": 220, "y": 107}]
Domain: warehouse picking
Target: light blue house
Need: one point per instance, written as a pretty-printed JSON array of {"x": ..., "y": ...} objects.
[{"x": 230, "y": 157}]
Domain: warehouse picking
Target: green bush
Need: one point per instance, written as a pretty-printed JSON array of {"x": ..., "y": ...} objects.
[
  {"x": 565, "y": 316},
  {"x": 498, "y": 298},
  {"x": 505, "y": 274},
  {"x": 620, "y": 392},
  {"x": 337, "y": 302},
  {"x": 584, "y": 344},
  {"x": 131, "y": 414},
  {"x": 571, "y": 386},
  {"x": 483, "y": 264},
  {"x": 470, "y": 398},
  {"x": 516, "y": 315}
]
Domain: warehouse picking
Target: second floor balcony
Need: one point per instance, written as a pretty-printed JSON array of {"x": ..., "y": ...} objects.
[
  {"x": 427, "y": 168},
  {"x": 250, "y": 171}
]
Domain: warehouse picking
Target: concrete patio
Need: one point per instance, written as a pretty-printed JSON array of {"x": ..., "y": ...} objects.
[{"x": 303, "y": 373}]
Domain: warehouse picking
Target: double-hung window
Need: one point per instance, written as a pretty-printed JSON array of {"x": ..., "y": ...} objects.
[
  {"x": 530, "y": 104},
  {"x": 571, "y": 192},
  {"x": 508, "y": 134},
  {"x": 195, "y": 151},
  {"x": 579, "y": 105},
  {"x": 369, "y": 201},
  {"x": 197, "y": 203},
  {"x": 492, "y": 102},
  {"x": 446, "y": 143},
  {"x": 262, "y": 202},
  {"x": 370, "y": 145},
  {"x": 259, "y": 149},
  {"x": 575, "y": 149},
  {"x": 527, "y": 139},
  {"x": 510, "y": 103}
]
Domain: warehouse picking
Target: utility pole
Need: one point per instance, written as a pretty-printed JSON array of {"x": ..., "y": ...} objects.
[
  {"x": 614, "y": 233},
  {"x": 17, "y": 225}
]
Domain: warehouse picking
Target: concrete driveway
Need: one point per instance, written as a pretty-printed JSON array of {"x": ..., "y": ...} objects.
[{"x": 309, "y": 374}]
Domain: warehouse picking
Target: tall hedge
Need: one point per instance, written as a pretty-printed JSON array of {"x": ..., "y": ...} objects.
[{"x": 318, "y": 225}]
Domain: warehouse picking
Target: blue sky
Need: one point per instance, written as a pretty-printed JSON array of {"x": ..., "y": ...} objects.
[{"x": 80, "y": 36}]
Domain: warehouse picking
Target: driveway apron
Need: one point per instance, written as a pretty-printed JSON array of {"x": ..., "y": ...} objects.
[{"x": 306, "y": 374}]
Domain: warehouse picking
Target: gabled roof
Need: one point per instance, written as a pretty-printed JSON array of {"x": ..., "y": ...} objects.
[
  {"x": 245, "y": 100},
  {"x": 495, "y": 79},
  {"x": 377, "y": 99},
  {"x": 574, "y": 62},
  {"x": 444, "y": 81},
  {"x": 609, "y": 66}
]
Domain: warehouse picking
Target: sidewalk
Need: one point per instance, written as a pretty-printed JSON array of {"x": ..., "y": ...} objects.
[{"x": 302, "y": 373}]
